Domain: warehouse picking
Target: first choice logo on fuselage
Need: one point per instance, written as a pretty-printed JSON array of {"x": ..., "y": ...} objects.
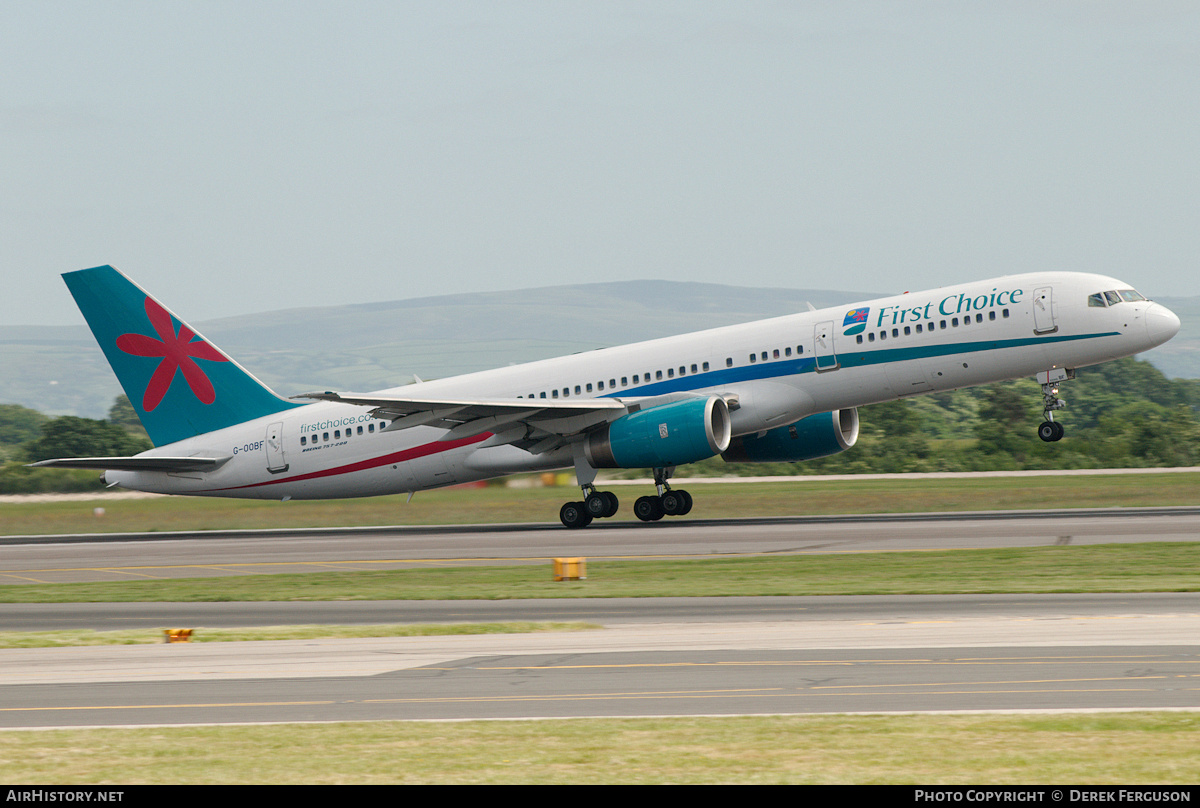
[
  {"x": 856, "y": 321},
  {"x": 948, "y": 306}
]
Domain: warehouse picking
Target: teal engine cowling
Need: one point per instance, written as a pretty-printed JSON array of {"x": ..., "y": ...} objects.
[
  {"x": 809, "y": 438},
  {"x": 666, "y": 435}
]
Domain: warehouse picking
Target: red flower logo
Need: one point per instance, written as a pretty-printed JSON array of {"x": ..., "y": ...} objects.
[{"x": 178, "y": 352}]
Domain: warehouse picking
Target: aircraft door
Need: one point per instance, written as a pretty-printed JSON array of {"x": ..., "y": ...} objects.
[
  {"x": 1043, "y": 311},
  {"x": 273, "y": 445},
  {"x": 823, "y": 347}
]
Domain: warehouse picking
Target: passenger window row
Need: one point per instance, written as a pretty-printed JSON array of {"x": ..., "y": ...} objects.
[
  {"x": 305, "y": 440},
  {"x": 774, "y": 354},
  {"x": 612, "y": 384}
]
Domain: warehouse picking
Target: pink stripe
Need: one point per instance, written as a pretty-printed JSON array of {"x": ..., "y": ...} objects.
[{"x": 395, "y": 457}]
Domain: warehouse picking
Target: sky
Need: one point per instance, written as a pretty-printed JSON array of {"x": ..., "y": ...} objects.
[{"x": 237, "y": 157}]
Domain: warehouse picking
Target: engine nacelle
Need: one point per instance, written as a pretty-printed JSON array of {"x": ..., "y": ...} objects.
[
  {"x": 666, "y": 435},
  {"x": 809, "y": 438}
]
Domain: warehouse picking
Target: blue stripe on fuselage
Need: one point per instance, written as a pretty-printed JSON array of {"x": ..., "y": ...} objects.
[{"x": 848, "y": 359}]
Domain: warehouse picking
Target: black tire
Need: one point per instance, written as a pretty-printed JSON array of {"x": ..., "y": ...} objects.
[
  {"x": 687, "y": 502},
  {"x": 574, "y": 515},
  {"x": 1047, "y": 431},
  {"x": 596, "y": 505},
  {"x": 1059, "y": 431},
  {"x": 672, "y": 503},
  {"x": 648, "y": 509},
  {"x": 614, "y": 504}
]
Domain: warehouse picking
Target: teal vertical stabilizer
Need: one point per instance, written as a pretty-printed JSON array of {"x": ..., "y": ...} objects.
[{"x": 180, "y": 384}]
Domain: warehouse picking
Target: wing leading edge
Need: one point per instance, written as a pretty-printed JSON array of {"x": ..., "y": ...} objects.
[{"x": 535, "y": 425}]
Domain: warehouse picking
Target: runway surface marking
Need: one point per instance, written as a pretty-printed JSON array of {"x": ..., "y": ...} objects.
[{"x": 559, "y": 677}]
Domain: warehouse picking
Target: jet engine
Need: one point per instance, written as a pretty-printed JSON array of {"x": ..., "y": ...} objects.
[
  {"x": 809, "y": 438},
  {"x": 666, "y": 435}
]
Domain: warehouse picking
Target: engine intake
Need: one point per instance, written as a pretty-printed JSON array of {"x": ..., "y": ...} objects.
[{"x": 666, "y": 435}]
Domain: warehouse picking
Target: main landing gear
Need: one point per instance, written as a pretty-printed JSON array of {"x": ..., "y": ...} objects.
[
  {"x": 603, "y": 504},
  {"x": 667, "y": 503},
  {"x": 1050, "y": 430},
  {"x": 595, "y": 505}
]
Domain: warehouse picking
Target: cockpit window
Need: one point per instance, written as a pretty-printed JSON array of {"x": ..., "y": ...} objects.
[{"x": 1102, "y": 300}]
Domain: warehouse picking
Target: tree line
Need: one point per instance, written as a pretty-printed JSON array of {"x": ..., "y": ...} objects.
[
  {"x": 1122, "y": 414},
  {"x": 27, "y": 436}
]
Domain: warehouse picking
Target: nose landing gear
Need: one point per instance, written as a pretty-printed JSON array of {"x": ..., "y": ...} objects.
[{"x": 1050, "y": 430}]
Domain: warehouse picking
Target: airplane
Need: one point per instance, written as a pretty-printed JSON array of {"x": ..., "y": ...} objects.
[{"x": 782, "y": 389}]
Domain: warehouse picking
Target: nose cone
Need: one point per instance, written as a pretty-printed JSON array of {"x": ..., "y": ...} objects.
[{"x": 1161, "y": 324}]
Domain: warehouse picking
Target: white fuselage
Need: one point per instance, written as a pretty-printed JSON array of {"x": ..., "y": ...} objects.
[{"x": 780, "y": 370}]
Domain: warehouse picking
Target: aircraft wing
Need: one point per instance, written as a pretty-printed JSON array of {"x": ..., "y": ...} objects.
[
  {"x": 534, "y": 424},
  {"x": 135, "y": 463}
]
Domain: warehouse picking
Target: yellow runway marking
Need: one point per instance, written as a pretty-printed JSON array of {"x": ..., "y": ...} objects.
[{"x": 25, "y": 577}]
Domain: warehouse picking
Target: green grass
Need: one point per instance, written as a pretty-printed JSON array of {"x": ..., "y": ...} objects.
[
  {"x": 498, "y": 504},
  {"x": 1112, "y": 748},
  {"x": 1150, "y": 567}
]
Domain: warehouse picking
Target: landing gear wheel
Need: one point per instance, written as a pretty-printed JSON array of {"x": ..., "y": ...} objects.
[
  {"x": 1051, "y": 431},
  {"x": 687, "y": 502},
  {"x": 574, "y": 515},
  {"x": 601, "y": 504},
  {"x": 596, "y": 505},
  {"x": 648, "y": 509},
  {"x": 614, "y": 504},
  {"x": 672, "y": 503}
]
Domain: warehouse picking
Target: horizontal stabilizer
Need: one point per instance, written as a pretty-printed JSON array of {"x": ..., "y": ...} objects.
[{"x": 135, "y": 463}]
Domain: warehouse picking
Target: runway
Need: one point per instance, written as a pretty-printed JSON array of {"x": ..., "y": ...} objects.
[
  {"x": 660, "y": 657},
  {"x": 855, "y": 610},
  {"x": 114, "y": 557},
  {"x": 890, "y": 654},
  {"x": 564, "y": 684}
]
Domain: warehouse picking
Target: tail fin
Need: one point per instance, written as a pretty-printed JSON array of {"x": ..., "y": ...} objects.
[{"x": 180, "y": 384}]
